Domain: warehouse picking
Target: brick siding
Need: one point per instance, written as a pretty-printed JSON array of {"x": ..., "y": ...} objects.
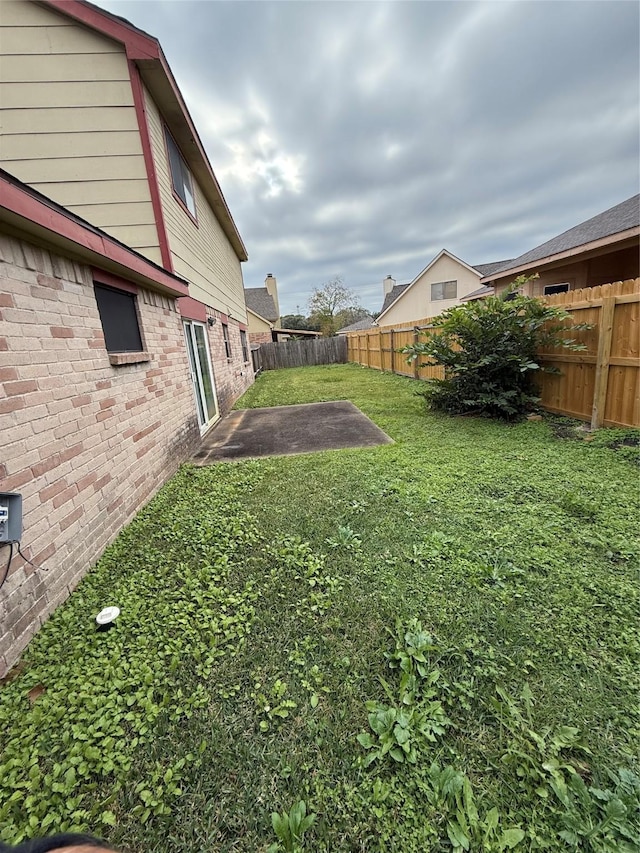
[
  {"x": 232, "y": 376},
  {"x": 85, "y": 442},
  {"x": 260, "y": 337}
]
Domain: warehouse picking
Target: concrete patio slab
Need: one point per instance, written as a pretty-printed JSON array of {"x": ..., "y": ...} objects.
[{"x": 286, "y": 430}]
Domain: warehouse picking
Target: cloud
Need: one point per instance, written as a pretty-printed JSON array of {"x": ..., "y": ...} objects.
[{"x": 364, "y": 137}]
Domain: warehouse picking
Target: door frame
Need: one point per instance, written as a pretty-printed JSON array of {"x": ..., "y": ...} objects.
[{"x": 196, "y": 379}]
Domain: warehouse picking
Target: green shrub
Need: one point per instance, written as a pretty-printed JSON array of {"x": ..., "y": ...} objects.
[{"x": 488, "y": 349}]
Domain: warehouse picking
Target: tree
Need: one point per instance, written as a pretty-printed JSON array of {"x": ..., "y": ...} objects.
[
  {"x": 298, "y": 321},
  {"x": 351, "y": 315},
  {"x": 489, "y": 351},
  {"x": 327, "y": 302}
]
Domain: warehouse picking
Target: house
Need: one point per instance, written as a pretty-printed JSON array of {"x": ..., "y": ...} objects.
[
  {"x": 123, "y": 325},
  {"x": 444, "y": 282},
  {"x": 97, "y": 405},
  {"x": 94, "y": 119},
  {"x": 263, "y": 309},
  {"x": 603, "y": 249}
]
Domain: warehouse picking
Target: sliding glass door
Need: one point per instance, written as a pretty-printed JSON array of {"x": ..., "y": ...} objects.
[{"x": 201, "y": 373}]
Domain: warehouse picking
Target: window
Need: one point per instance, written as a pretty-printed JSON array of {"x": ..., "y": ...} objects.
[
  {"x": 550, "y": 289},
  {"x": 180, "y": 175},
  {"x": 444, "y": 290},
  {"x": 119, "y": 319},
  {"x": 227, "y": 342},
  {"x": 245, "y": 348}
]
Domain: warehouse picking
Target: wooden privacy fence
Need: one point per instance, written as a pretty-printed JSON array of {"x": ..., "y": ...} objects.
[
  {"x": 600, "y": 384},
  {"x": 304, "y": 353}
]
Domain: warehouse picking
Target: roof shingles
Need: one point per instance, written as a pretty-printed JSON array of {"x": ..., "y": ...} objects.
[
  {"x": 260, "y": 301},
  {"x": 619, "y": 218}
]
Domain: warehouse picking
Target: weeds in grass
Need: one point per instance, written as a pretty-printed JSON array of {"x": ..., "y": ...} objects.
[{"x": 475, "y": 593}]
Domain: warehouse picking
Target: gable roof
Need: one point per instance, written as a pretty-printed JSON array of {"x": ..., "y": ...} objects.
[
  {"x": 616, "y": 220},
  {"x": 396, "y": 291},
  {"x": 145, "y": 52},
  {"x": 404, "y": 287},
  {"x": 260, "y": 302},
  {"x": 27, "y": 212}
]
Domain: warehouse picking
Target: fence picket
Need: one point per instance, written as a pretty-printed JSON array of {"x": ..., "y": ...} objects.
[{"x": 600, "y": 385}]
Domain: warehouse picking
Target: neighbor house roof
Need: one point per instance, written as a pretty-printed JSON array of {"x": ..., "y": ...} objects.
[
  {"x": 365, "y": 323},
  {"x": 480, "y": 293},
  {"x": 25, "y": 211},
  {"x": 487, "y": 269},
  {"x": 614, "y": 224},
  {"x": 396, "y": 291},
  {"x": 260, "y": 301},
  {"x": 145, "y": 54}
]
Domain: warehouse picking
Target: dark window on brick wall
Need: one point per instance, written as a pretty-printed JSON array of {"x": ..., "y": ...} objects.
[
  {"x": 119, "y": 319},
  {"x": 245, "y": 348},
  {"x": 227, "y": 341}
]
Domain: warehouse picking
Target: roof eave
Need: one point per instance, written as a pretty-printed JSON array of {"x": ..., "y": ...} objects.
[
  {"x": 594, "y": 245},
  {"x": 28, "y": 216}
]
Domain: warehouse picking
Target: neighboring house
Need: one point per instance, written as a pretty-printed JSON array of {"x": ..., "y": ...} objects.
[
  {"x": 96, "y": 404},
  {"x": 603, "y": 249},
  {"x": 444, "y": 282},
  {"x": 263, "y": 308},
  {"x": 93, "y": 119},
  {"x": 358, "y": 326}
]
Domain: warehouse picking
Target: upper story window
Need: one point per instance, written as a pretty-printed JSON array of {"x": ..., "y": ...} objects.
[
  {"x": 180, "y": 175},
  {"x": 444, "y": 290},
  {"x": 119, "y": 319}
]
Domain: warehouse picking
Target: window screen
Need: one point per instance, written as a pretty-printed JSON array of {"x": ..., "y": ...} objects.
[
  {"x": 245, "y": 348},
  {"x": 444, "y": 290},
  {"x": 119, "y": 319},
  {"x": 180, "y": 175}
]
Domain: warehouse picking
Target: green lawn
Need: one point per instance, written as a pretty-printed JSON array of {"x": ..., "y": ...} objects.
[{"x": 433, "y": 644}]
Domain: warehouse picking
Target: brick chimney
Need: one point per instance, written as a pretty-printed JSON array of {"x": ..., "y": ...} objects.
[
  {"x": 388, "y": 284},
  {"x": 272, "y": 289}
]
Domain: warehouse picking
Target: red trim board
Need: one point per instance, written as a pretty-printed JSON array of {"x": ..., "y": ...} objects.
[{"x": 21, "y": 203}]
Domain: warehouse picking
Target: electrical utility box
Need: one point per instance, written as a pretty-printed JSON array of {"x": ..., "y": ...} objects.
[{"x": 10, "y": 517}]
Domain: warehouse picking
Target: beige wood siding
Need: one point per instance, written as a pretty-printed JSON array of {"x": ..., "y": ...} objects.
[
  {"x": 257, "y": 325},
  {"x": 68, "y": 124},
  {"x": 201, "y": 252},
  {"x": 416, "y": 303}
]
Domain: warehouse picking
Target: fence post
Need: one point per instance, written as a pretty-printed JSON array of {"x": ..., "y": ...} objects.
[
  {"x": 393, "y": 353},
  {"x": 602, "y": 364},
  {"x": 367, "y": 349},
  {"x": 416, "y": 338}
]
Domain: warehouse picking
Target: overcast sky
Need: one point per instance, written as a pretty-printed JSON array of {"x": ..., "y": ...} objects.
[{"x": 360, "y": 138}]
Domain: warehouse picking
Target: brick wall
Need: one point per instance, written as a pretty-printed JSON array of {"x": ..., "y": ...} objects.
[
  {"x": 86, "y": 443},
  {"x": 232, "y": 376},
  {"x": 260, "y": 337}
]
